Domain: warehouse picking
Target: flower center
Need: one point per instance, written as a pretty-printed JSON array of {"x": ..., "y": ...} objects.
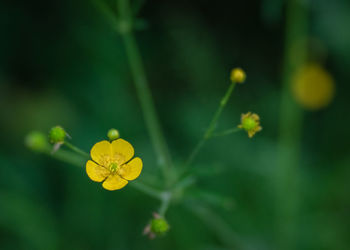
[
  {"x": 113, "y": 167},
  {"x": 249, "y": 123}
]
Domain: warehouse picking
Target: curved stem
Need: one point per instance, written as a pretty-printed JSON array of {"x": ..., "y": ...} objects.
[
  {"x": 76, "y": 149},
  {"x": 146, "y": 189},
  {"x": 166, "y": 198},
  {"x": 222, "y": 105},
  {"x": 212, "y": 125},
  {"x": 287, "y": 176},
  {"x": 195, "y": 151},
  {"x": 216, "y": 224},
  {"x": 227, "y": 132},
  {"x": 66, "y": 156}
]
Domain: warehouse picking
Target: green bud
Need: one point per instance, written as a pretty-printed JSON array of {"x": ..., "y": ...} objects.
[
  {"x": 57, "y": 134},
  {"x": 36, "y": 141},
  {"x": 159, "y": 226},
  {"x": 249, "y": 123},
  {"x": 113, "y": 134}
]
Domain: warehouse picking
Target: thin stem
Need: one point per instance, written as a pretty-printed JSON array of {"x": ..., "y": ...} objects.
[
  {"x": 107, "y": 12},
  {"x": 212, "y": 198},
  {"x": 143, "y": 91},
  {"x": 76, "y": 149},
  {"x": 67, "y": 157},
  {"x": 291, "y": 116},
  {"x": 209, "y": 132},
  {"x": 166, "y": 198},
  {"x": 222, "y": 105},
  {"x": 227, "y": 132},
  {"x": 216, "y": 224},
  {"x": 194, "y": 153},
  {"x": 146, "y": 189},
  {"x": 167, "y": 195},
  {"x": 184, "y": 183}
]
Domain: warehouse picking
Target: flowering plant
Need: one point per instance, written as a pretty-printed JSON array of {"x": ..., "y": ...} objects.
[{"x": 112, "y": 161}]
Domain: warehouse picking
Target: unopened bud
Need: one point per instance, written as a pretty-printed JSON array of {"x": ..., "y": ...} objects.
[
  {"x": 238, "y": 75},
  {"x": 57, "y": 135},
  {"x": 36, "y": 141},
  {"x": 113, "y": 134},
  {"x": 159, "y": 226}
]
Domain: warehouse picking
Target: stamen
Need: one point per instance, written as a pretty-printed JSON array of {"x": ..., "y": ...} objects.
[{"x": 113, "y": 167}]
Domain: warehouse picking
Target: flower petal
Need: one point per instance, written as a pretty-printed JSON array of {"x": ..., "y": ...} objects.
[
  {"x": 114, "y": 182},
  {"x": 122, "y": 151},
  {"x": 100, "y": 151},
  {"x": 131, "y": 170},
  {"x": 96, "y": 172}
]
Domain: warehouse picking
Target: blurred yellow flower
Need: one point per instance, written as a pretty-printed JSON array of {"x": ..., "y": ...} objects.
[
  {"x": 111, "y": 163},
  {"x": 250, "y": 122},
  {"x": 313, "y": 87},
  {"x": 238, "y": 75}
]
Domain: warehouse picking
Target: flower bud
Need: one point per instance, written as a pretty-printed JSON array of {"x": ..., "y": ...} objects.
[
  {"x": 113, "y": 134},
  {"x": 36, "y": 141},
  {"x": 159, "y": 226},
  {"x": 250, "y": 122},
  {"x": 57, "y": 135},
  {"x": 238, "y": 75}
]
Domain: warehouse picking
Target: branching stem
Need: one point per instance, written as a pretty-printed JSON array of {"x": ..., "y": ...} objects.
[{"x": 212, "y": 125}]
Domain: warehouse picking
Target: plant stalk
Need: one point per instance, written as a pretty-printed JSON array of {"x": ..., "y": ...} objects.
[
  {"x": 76, "y": 149},
  {"x": 142, "y": 88},
  {"x": 291, "y": 116},
  {"x": 212, "y": 125}
]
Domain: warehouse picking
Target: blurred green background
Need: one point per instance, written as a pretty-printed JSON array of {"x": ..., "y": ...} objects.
[{"x": 62, "y": 63}]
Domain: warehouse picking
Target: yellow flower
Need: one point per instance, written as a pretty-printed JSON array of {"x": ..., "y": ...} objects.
[
  {"x": 250, "y": 122},
  {"x": 238, "y": 75},
  {"x": 313, "y": 87},
  {"x": 111, "y": 163}
]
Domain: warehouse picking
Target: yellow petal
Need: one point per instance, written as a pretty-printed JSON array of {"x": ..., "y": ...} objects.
[
  {"x": 122, "y": 151},
  {"x": 255, "y": 117},
  {"x": 96, "y": 172},
  {"x": 101, "y": 152},
  {"x": 114, "y": 182},
  {"x": 131, "y": 170}
]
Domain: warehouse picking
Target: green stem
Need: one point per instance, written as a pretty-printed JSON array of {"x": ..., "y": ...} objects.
[
  {"x": 209, "y": 132},
  {"x": 76, "y": 149},
  {"x": 67, "y": 157},
  {"x": 227, "y": 132},
  {"x": 212, "y": 198},
  {"x": 222, "y": 105},
  {"x": 194, "y": 153},
  {"x": 166, "y": 198},
  {"x": 123, "y": 24},
  {"x": 146, "y": 189},
  {"x": 108, "y": 13},
  {"x": 184, "y": 183},
  {"x": 216, "y": 224},
  {"x": 167, "y": 195},
  {"x": 143, "y": 91},
  {"x": 291, "y": 116}
]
